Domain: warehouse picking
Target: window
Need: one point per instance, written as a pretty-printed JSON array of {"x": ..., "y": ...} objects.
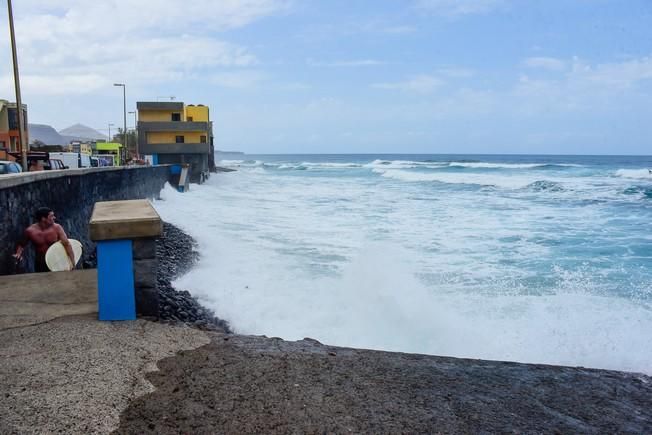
[
  {"x": 180, "y": 139},
  {"x": 176, "y": 117},
  {"x": 202, "y": 139},
  {"x": 189, "y": 118}
]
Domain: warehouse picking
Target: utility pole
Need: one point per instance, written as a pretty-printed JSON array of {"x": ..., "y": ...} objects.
[
  {"x": 19, "y": 102},
  {"x": 124, "y": 113},
  {"x": 136, "y": 133}
]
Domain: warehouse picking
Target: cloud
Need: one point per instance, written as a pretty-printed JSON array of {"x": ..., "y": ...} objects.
[
  {"x": 585, "y": 85},
  {"x": 547, "y": 63},
  {"x": 79, "y": 46},
  {"x": 457, "y": 73},
  {"x": 459, "y": 7},
  {"x": 399, "y": 30},
  {"x": 422, "y": 83},
  {"x": 346, "y": 63},
  {"x": 237, "y": 79}
]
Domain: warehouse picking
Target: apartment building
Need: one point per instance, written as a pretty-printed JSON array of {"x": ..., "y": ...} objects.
[
  {"x": 9, "y": 126},
  {"x": 172, "y": 132}
]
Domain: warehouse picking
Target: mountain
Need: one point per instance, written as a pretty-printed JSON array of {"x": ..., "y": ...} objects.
[
  {"x": 82, "y": 133},
  {"x": 45, "y": 134}
]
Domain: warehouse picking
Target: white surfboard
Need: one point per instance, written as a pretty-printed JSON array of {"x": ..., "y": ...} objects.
[{"x": 57, "y": 258}]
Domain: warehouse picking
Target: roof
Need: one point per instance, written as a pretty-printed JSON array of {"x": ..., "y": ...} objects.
[{"x": 159, "y": 105}]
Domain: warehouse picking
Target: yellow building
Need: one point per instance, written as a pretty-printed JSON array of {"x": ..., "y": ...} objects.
[{"x": 171, "y": 132}]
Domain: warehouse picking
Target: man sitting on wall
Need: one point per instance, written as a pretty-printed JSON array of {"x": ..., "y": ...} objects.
[{"x": 43, "y": 234}]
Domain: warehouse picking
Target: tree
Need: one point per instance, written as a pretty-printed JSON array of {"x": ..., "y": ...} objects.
[{"x": 132, "y": 139}]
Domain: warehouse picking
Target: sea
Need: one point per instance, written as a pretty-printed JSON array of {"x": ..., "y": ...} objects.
[{"x": 528, "y": 258}]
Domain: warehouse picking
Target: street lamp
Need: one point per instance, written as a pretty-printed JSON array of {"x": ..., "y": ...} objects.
[
  {"x": 124, "y": 102},
  {"x": 136, "y": 132},
  {"x": 110, "y": 124},
  {"x": 19, "y": 103}
]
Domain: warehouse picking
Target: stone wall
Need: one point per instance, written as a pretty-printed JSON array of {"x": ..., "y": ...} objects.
[{"x": 71, "y": 194}]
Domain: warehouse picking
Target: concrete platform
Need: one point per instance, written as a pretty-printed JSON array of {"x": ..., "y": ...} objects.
[
  {"x": 34, "y": 298},
  {"x": 124, "y": 220}
]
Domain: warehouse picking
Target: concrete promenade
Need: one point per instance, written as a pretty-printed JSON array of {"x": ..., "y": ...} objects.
[
  {"x": 62, "y": 370},
  {"x": 33, "y": 298}
]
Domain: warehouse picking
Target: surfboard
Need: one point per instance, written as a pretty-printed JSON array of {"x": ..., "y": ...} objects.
[{"x": 57, "y": 258}]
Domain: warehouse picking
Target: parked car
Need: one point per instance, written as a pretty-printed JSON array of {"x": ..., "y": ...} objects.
[
  {"x": 54, "y": 164},
  {"x": 8, "y": 167}
]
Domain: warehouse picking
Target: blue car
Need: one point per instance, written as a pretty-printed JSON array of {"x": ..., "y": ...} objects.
[{"x": 7, "y": 167}]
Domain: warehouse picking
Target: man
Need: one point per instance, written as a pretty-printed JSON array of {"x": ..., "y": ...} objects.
[{"x": 43, "y": 234}]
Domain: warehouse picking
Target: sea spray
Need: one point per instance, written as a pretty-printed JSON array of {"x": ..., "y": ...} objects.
[{"x": 349, "y": 257}]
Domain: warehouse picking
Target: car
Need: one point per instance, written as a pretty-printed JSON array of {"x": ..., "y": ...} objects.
[
  {"x": 8, "y": 167},
  {"x": 54, "y": 164}
]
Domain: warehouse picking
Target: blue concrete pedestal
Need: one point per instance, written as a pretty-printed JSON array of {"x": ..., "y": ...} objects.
[{"x": 115, "y": 280}]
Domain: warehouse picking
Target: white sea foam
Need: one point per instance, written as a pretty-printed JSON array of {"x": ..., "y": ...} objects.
[
  {"x": 331, "y": 165},
  {"x": 240, "y": 163},
  {"x": 634, "y": 173},
  {"x": 487, "y": 165},
  {"x": 380, "y": 263},
  {"x": 484, "y": 165},
  {"x": 403, "y": 164},
  {"x": 497, "y": 180}
]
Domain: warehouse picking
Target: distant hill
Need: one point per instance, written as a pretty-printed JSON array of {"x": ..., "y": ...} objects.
[
  {"x": 46, "y": 134},
  {"x": 81, "y": 132}
]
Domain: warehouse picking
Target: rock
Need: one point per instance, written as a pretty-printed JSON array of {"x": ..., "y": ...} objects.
[{"x": 176, "y": 254}]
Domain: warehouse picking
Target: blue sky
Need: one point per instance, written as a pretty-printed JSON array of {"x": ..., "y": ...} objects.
[{"x": 284, "y": 76}]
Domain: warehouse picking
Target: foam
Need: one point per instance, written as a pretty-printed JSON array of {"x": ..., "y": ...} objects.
[
  {"x": 634, "y": 173},
  {"x": 504, "y": 181},
  {"x": 486, "y": 165},
  {"x": 403, "y": 164},
  {"x": 387, "y": 264}
]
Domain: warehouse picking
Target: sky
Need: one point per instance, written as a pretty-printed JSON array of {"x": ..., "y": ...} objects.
[{"x": 350, "y": 76}]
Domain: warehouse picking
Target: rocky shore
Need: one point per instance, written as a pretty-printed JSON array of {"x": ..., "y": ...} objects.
[
  {"x": 176, "y": 253},
  {"x": 242, "y": 384}
]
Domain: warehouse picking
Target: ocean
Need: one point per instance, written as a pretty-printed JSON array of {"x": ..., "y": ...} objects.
[{"x": 539, "y": 259}]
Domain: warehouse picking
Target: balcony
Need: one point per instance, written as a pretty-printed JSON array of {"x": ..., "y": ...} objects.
[
  {"x": 174, "y": 148},
  {"x": 144, "y": 127}
]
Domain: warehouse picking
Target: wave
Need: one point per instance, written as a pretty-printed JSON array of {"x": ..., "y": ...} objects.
[
  {"x": 405, "y": 164},
  {"x": 634, "y": 173},
  {"x": 487, "y": 165},
  {"x": 265, "y": 265},
  {"x": 302, "y": 166},
  {"x": 240, "y": 163},
  {"x": 545, "y": 185},
  {"x": 644, "y": 191},
  {"x": 331, "y": 165},
  {"x": 502, "y": 181}
]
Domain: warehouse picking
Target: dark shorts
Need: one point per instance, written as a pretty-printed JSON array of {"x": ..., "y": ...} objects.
[{"x": 39, "y": 264}]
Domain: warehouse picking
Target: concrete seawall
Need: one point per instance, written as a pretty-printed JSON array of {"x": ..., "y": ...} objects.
[{"x": 71, "y": 194}]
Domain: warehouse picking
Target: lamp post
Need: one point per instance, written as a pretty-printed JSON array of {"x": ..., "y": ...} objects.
[
  {"x": 19, "y": 103},
  {"x": 110, "y": 124},
  {"x": 124, "y": 108},
  {"x": 136, "y": 133}
]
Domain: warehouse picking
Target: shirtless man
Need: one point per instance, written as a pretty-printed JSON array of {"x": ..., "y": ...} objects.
[{"x": 43, "y": 234}]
